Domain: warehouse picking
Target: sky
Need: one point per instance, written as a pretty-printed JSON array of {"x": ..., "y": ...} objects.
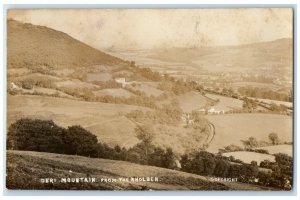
[{"x": 132, "y": 29}]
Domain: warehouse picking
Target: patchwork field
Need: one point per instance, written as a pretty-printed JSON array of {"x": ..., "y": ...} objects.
[
  {"x": 232, "y": 128},
  {"x": 107, "y": 121}
]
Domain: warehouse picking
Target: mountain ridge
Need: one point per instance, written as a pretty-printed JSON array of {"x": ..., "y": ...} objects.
[{"x": 31, "y": 45}]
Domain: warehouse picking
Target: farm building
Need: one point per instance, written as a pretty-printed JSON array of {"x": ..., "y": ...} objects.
[
  {"x": 213, "y": 111},
  {"x": 13, "y": 86},
  {"x": 121, "y": 80}
]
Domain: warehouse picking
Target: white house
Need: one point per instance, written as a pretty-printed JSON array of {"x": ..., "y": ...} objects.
[
  {"x": 13, "y": 86},
  {"x": 121, "y": 81},
  {"x": 213, "y": 111}
]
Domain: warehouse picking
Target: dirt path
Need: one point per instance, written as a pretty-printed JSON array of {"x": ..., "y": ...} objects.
[{"x": 212, "y": 134}]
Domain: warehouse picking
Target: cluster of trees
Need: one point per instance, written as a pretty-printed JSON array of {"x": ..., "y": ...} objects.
[
  {"x": 107, "y": 84},
  {"x": 264, "y": 93},
  {"x": 278, "y": 108},
  {"x": 166, "y": 114},
  {"x": 46, "y": 136},
  {"x": 176, "y": 87},
  {"x": 252, "y": 142},
  {"x": 88, "y": 95},
  {"x": 282, "y": 172},
  {"x": 39, "y": 82},
  {"x": 249, "y": 104},
  {"x": 44, "y": 68},
  {"x": 208, "y": 164}
]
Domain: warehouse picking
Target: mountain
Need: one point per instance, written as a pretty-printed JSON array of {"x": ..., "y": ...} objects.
[
  {"x": 31, "y": 45},
  {"x": 277, "y": 54}
]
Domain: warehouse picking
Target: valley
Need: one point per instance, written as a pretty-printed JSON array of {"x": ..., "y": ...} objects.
[{"x": 204, "y": 99}]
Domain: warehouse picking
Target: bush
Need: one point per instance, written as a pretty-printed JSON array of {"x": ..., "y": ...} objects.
[{"x": 27, "y": 84}]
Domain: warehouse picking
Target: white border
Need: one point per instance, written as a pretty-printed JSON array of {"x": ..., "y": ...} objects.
[{"x": 116, "y": 2}]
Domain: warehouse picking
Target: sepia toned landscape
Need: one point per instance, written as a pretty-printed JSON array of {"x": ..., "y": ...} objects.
[{"x": 196, "y": 111}]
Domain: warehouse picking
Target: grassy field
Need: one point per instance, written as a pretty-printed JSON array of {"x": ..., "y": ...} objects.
[
  {"x": 189, "y": 101},
  {"x": 67, "y": 112},
  {"x": 225, "y": 103},
  {"x": 232, "y": 128},
  {"x": 25, "y": 170},
  {"x": 115, "y": 92},
  {"x": 247, "y": 156},
  {"x": 284, "y": 148}
]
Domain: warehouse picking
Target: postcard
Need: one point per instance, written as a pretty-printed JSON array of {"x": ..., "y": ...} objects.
[{"x": 150, "y": 99}]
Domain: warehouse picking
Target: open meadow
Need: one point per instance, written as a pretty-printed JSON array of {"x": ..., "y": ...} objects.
[{"x": 232, "y": 128}]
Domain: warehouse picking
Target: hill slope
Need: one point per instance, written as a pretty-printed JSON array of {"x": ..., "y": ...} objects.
[
  {"x": 276, "y": 54},
  {"x": 31, "y": 46},
  {"x": 25, "y": 170}
]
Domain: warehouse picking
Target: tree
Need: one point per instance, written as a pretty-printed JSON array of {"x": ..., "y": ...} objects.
[
  {"x": 274, "y": 138},
  {"x": 81, "y": 141},
  {"x": 168, "y": 160},
  {"x": 250, "y": 143},
  {"x": 36, "y": 135},
  {"x": 146, "y": 134}
]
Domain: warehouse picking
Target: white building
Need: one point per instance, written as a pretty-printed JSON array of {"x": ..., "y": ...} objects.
[
  {"x": 121, "y": 81},
  {"x": 214, "y": 111},
  {"x": 13, "y": 86}
]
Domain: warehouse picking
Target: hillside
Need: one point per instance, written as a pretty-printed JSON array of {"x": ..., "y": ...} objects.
[
  {"x": 33, "y": 46},
  {"x": 228, "y": 58},
  {"x": 25, "y": 170},
  {"x": 52, "y": 76}
]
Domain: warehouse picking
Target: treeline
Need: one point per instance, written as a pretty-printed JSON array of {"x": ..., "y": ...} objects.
[
  {"x": 46, "y": 136},
  {"x": 264, "y": 93},
  {"x": 88, "y": 95},
  {"x": 208, "y": 164}
]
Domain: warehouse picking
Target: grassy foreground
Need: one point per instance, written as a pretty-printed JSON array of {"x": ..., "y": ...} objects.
[{"x": 25, "y": 170}]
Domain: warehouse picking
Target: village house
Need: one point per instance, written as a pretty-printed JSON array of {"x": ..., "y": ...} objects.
[
  {"x": 13, "y": 86},
  {"x": 121, "y": 80},
  {"x": 214, "y": 111}
]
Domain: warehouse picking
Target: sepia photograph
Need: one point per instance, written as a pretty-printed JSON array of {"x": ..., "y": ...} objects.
[{"x": 150, "y": 99}]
